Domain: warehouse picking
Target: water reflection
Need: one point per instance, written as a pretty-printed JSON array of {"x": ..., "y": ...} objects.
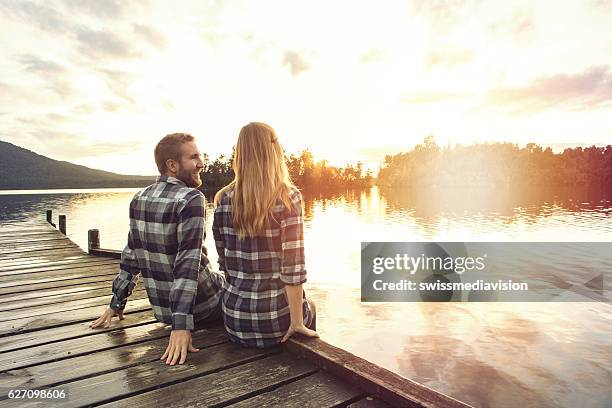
[{"x": 489, "y": 354}]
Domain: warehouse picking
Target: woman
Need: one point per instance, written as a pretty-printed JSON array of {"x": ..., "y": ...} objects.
[{"x": 258, "y": 230}]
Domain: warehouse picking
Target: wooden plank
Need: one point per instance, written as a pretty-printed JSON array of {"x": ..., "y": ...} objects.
[
  {"x": 109, "y": 253},
  {"x": 56, "y": 284},
  {"x": 28, "y": 221},
  {"x": 28, "y": 245},
  {"x": 102, "y": 340},
  {"x": 93, "y": 270},
  {"x": 7, "y": 231},
  {"x": 29, "y": 324},
  {"x": 20, "y": 303},
  {"x": 84, "y": 263},
  {"x": 39, "y": 294},
  {"x": 227, "y": 386},
  {"x": 145, "y": 377},
  {"x": 7, "y": 248},
  {"x": 34, "y": 280},
  {"x": 75, "y": 330},
  {"x": 51, "y": 261},
  {"x": 4, "y": 236},
  {"x": 369, "y": 402},
  {"x": 41, "y": 247},
  {"x": 318, "y": 391},
  {"x": 19, "y": 241},
  {"x": 90, "y": 270},
  {"x": 8, "y": 228},
  {"x": 376, "y": 381},
  {"x": 25, "y": 242},
  {"x": 101, "y": 362},
  {"x": 41, "y": 311},
  {"x": 64, "y": 248},
  {"x": 10, "y": 249},
  {"x": 48, "y": 255},
  {"x": 31, "y": 238},
  {"x": 22, "y": 234}
]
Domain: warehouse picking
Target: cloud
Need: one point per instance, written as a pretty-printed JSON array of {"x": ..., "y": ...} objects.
[
  {"x": 152, "y": 35},
  {"x": 58, "y": 117},
  {"x": 443, "y": 14},
  {"x": 71, "y": 145},
  {"x": 60, "y": 19},
  {"x": 44, "y": 120},
  {"x": 587, "y": 90},
  {"x": 520, "y": 26},
  {"x": 606, "y": 4},
  {"x": 32, "y": 94},
  {"x": 85, "y": 108},
  {"x": 101, "y": 43},
  {"x": 448, "y": 57},
  {"x": 295, "y": 62},
  {"x": 110, "y": 106},
  {"x": 104, "y": 148},
  {"x": 39, "y": 66},
  {"x": 102, "y": 9},
  {"x": 372, "y": 55},
  {"x": 426, "y": 97},
  {"x": 44, "y": 17},
  {"x": 118, "y": 83},
  {"x": 168, "y": 105},
  {"x": 54, "y": 75},
  {"x": 214, "y": 38}
]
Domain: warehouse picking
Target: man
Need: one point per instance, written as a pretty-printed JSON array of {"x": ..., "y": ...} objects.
[{"x": 166, "y": 245}]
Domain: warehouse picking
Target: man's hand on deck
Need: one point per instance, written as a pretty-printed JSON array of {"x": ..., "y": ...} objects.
[
  {"x": 105, "y": 319},
  {"x": 301, "y": 329},
  {"x": 178, "y": 346}
]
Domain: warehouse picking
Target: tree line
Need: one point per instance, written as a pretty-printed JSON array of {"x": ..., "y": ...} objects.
[
  {"x": 497, "y": 164},
  {"x": 306, "y": 173}
]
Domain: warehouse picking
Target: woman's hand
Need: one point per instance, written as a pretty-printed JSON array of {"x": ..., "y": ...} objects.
[
  {"x": 301, "y": 329},
  {"x": 179, "y": 345}
]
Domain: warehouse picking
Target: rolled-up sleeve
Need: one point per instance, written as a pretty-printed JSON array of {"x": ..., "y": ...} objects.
[
  {"x": 190, "y": 236},
  {"x": 293, "y": 267}
]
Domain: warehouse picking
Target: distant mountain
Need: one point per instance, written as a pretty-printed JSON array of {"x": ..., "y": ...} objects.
[{"x": 22, "y": 169}]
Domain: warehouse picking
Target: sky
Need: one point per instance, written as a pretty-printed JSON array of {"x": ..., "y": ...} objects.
[{"x": 100, "y": 82}]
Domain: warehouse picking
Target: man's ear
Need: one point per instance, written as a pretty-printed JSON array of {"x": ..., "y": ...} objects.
[{"x": 172, "y": 165}]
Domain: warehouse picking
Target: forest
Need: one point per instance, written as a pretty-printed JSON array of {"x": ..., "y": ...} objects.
[
  {"x": 497, "y": 164},
  {"x": 306, "y": 173}
]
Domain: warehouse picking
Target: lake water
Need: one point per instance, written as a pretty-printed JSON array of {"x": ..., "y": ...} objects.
[{"x": 486, "y": 354}]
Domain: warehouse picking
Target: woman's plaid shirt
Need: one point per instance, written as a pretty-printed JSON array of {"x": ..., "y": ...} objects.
[
  {"x": 257, "y": 269},
  {"x": 166, "y": 245}
]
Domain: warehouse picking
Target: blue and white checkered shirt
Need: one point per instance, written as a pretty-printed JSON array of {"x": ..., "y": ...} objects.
[
  {"x": 166, "y": 245},
  {"x": 255, "y": 308}
]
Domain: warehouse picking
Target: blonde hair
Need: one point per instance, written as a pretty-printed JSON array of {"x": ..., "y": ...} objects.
[{"x": 261, "y": 179}]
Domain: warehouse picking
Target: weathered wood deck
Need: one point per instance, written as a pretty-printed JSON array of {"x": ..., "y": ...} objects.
[{"x": 50, "y": 290}]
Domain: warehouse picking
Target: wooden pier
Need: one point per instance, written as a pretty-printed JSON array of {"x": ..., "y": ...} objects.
[{"x": 50, "y": 290}]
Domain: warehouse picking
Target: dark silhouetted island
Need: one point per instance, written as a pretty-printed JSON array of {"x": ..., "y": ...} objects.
[{"x": 22, "y": 169}]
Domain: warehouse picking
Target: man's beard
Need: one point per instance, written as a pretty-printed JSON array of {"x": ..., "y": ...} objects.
[{"x": 189, "y": 178}]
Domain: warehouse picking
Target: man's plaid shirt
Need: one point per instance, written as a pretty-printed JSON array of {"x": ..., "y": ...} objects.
[
  {"x": 166, "y": 245},
  {"x": 255, "y": 308}
]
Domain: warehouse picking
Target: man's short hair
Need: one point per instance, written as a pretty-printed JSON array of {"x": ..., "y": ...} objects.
[{"x": 170, "y": 148}]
